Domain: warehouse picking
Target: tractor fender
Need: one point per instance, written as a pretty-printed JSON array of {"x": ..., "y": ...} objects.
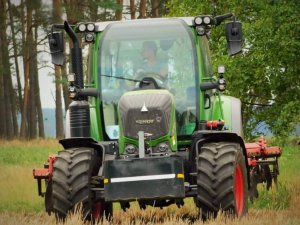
[
  {"x": 202, "y": 137},
  {"x": 103, "y": 148},
  {"x": 79, "y": 142}
]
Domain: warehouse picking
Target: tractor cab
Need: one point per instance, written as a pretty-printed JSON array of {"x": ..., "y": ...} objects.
[{"x": 138, "y": 56}]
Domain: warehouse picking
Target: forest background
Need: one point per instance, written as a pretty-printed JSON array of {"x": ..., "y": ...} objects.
[{"x": 265, "y": 76}]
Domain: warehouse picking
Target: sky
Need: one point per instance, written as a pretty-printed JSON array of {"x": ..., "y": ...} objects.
[{"x": 47, "y": 86}]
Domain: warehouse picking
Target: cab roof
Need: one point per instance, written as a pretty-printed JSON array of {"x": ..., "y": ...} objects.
[{"x": 100, "y": 26}]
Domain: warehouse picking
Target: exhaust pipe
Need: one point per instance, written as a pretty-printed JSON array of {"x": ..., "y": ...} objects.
[
  {"x": 79, "y": 109},
  {"x": 76, "y": 53}
]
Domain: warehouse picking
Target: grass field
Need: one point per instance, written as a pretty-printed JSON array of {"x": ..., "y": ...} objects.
[{"x": 20, "y": 204}]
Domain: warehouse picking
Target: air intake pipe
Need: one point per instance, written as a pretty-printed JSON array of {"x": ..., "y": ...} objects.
[{"x": 79, "y": 109}]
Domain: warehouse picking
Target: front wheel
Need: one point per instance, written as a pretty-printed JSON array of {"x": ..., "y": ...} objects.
[
  {"x": 72, "y": 182},
  {"x": 222, "y": 180}
]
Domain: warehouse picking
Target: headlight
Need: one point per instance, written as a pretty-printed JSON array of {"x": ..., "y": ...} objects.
[
  {"x": 89, "y": 37},
  {"x": 200, "y": 30},
  {"x": 162, "y": 147},
  {"x": 130, "y": 149}
]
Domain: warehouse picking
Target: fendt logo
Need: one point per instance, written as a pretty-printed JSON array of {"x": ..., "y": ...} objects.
[
  {"x": 144, "y": 108},
  {"x": 144, "y": 121}
]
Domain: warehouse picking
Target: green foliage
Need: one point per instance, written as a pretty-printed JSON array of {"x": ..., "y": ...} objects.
[
  {"x": 92, "y": 10},
  {"x": 267, "y": 72},
  {"x": 276, "y": 198}
]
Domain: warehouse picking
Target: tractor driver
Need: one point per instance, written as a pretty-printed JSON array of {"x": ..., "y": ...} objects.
[{"x": 151, "y": 64}]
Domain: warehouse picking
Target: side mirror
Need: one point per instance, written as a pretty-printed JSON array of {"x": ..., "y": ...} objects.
[
  {"x": 233, "y": 32},
  {"x": 56, "y": 43}
]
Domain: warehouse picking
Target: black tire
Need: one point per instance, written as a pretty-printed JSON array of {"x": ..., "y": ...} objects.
[
  {"x": 222, "y": 180},
  {"x": 71, "y": 182}
]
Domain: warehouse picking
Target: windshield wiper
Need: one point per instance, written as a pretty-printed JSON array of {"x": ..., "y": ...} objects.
[{"x": 126, "y": 78}]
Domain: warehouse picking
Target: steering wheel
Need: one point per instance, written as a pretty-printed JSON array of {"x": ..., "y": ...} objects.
[{"x": 150, "y": 79}]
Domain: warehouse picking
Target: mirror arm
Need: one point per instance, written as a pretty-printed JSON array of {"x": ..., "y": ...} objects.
[
  {"x": 219, "y": 19},
  {"x": 220, "y": 85},
  {"x": 209, "y": 86}
]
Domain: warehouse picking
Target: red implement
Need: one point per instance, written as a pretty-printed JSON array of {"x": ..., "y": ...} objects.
[
  {"x": 44, "y": 174},
  {"x": 260, "y": 149},
  {"x": 263, "y": 164}
]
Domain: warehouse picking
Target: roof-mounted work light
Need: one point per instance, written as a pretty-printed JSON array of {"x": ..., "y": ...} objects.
[{"x": 82, "y": 27}]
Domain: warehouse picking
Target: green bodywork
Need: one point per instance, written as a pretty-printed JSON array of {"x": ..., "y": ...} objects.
[{"x": 95, "y": 111}]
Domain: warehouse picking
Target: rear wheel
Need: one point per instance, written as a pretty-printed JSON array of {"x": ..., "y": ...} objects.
[
  {"x": 71, "y": 183},
  {"x": 222, "y": 180}
]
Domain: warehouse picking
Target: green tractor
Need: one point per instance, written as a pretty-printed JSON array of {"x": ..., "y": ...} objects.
[{"x": 147, "y": 122}]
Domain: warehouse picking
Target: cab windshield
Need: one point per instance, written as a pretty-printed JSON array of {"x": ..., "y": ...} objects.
[{"x": 161, "y": 49}]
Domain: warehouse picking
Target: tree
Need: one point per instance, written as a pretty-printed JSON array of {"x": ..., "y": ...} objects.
[
  {"x": 155, "y": 8},
  {"x": 132, "y": 9},
  {"x": 26, "y": 58},
  {"x": 57, "y": 15},
  {"x": 32, "y": 121},
  {"x": 32, "y": 117},
  {"x": 142, "y": 9},
  {"x": 119, "y": 10},
  {"x": 39, "y": 20},
  {"x": 27, "y": 19},
  {"x": 2, "y": 100},
  {"x": 265, "y": 76},
  {"x": 15, "y": 53},
  {"x": 8, "y": 95}
]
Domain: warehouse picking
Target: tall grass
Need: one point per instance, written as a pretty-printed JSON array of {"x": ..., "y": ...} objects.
[
  {"x": 277, "y": 198},
  {"x": 31, "y": 153},
  {"x": 18, "y": 189},
  {"x": 156, "y": 216}
]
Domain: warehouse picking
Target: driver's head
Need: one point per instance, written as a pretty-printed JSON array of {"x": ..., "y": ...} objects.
[{"x": 149, "y": 49}]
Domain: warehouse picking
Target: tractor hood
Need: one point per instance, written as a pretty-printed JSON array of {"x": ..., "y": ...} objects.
[{"x": 148, "y": 111}]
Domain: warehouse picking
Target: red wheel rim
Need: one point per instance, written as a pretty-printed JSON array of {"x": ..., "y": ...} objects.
[
  {"x": 97, "y": 211},
  {"x": 239, "y": 191}
]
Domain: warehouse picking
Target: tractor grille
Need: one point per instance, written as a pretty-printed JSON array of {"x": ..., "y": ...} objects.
[{"x": 149, "y": 112}]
